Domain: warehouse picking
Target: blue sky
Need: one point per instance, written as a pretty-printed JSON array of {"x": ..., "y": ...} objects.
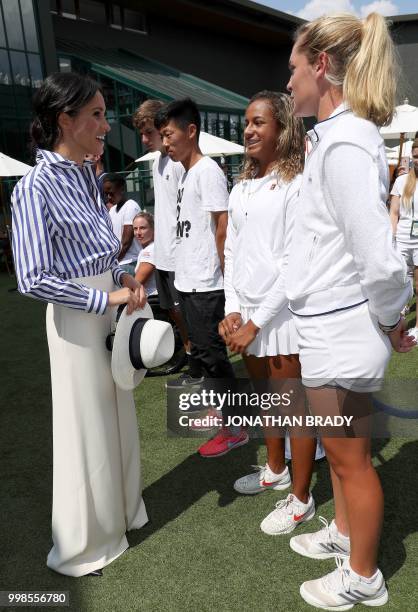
[{"x": 309, "y": 9}]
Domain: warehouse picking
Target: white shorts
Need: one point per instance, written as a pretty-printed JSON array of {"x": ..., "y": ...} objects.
[
  {"x": 276, "y": 338},
  {"x": 410, "y": 255},
  {"x": 344, "y": 348}
]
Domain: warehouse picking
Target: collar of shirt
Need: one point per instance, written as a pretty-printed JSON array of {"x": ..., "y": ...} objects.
[
  {"x": 250, "y": 186},
  {"x": 55, "y": 159},
  {"x": 320, "y": 128}
]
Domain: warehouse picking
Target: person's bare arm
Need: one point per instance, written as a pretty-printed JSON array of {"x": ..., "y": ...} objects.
[
  {"x": 221, "y": 222},
  {"x": 126, "y": 240},
  {"x": 394, "y": 212},
  {"x": 144, "y": 272}
]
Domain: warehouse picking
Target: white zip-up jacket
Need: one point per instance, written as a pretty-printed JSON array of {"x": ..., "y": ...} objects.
[
  {"x": 261, "y": 214},
  {"x": 342, "y": 252}
]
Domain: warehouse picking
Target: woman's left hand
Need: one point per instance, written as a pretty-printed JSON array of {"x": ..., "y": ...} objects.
[
  {"x": 137, "y": 288},
  {"x": 242, "y": 338},
  {"x": 400, "y": 340}
]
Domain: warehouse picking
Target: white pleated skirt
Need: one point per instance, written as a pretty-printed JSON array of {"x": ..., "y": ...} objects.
[
  {"x": 344, "y": 349},
  {"x": 278, "y": 337},
  {"x": 96, "y": 464}
]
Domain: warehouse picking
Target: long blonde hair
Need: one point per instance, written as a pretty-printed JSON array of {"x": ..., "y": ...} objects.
[
  {"x": 290, "y": 144},
  {"x": 411, "y": 183},
  {"x": 361, "y": 60}
]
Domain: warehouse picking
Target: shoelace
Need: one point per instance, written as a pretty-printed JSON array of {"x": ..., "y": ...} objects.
[
  {"x": 339, "y": 579},
  {"x": 261, "y": 469},
  {"x": 286, "y": 504},
  {"x": 319, "y": 535}
]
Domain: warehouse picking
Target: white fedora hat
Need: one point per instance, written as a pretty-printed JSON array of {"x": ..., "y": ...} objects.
[{"x": 140, "y": 342}]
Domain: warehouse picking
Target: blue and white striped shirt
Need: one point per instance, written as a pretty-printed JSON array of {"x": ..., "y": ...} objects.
[{"x": 62, "y": 231}]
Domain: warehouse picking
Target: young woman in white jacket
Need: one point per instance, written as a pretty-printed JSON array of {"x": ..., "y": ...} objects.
[
  {"x": 346, "y": 283},
  {"x": 404, "y": 218},
  {"x": 258, "y": 324}
]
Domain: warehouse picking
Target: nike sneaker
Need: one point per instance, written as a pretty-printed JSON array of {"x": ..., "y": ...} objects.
[
  {"x": 263, "y": 479},
  {"x": 287, "y": 515}
]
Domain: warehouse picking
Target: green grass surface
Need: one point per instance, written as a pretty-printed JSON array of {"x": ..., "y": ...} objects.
[{"x": 203, "y": 549}]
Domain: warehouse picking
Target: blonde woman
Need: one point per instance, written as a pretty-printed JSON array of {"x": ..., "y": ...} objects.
[
  {"x": 346, "y": 283},
  {"x": 258, "y": 324},
  {"x": 404, "y": 218}
]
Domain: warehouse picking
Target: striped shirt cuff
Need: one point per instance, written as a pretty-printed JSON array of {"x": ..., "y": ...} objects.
[
  {"x": 117, "y": 275},
  {"x": 97, "y": 301}
]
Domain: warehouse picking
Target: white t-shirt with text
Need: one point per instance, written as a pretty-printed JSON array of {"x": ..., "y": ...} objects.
[
  {"x": 166, "y": 174},
  {"x": 201, "y": 191}
]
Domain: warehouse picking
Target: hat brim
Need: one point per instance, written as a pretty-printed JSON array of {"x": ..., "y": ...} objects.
[{"x": 124, "y": 374}]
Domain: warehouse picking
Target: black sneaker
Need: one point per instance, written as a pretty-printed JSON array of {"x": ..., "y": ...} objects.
[{"x": 184, "y": 380}]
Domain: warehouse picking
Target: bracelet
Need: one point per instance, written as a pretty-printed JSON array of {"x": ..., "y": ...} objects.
[{"x": 387, "y": 329}]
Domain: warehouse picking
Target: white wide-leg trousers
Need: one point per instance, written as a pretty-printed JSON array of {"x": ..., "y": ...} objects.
[{"x": 96, "y": 464}]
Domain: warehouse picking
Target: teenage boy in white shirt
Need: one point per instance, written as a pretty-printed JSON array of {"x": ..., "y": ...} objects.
[
  {"x": 166, "y": 174},
  {"x": 122, "y": 212},
  {"x": 202, "y": 216}
]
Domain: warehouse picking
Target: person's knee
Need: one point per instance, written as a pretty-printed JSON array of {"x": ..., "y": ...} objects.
[{"x": 348, "y": 468}]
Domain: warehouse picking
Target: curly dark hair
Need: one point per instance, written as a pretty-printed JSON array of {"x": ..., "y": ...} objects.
[{"x": 290, "y": 146}]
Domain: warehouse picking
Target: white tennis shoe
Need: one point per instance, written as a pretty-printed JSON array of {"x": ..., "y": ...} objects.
[
  {"x": 326, "y": 543},
  {"x": 343, "y": 588},
  {"x": 262, "y": 479},
  {"x": 287, "y": 515}
]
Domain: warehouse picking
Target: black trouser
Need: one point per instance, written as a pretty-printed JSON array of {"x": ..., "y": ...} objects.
[{"x": 202, "y": 312}]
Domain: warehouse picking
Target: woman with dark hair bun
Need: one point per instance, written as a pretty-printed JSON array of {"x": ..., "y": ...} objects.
[{"x": 66, "y": 254}]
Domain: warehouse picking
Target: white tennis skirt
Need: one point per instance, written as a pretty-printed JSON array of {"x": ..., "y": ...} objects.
[
  {"x": 345, "y": 348},
  {"x": 96, "y": 464},
  {"x": 278, "y": 337}
]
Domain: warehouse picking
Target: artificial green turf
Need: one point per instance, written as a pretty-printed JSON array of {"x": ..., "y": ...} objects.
[{"x": 203, "y": 549}]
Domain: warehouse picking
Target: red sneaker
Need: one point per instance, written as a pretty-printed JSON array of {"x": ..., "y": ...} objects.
[{"x": 222, "y": 443}]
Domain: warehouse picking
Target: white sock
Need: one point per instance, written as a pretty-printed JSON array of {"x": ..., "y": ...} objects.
[
  {"x": 274, "y": 473},
  {"x": 368, "y": 580}
]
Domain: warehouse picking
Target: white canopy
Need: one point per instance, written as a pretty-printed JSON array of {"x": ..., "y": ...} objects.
[
  {"x": 405, "y": 121},
  {"x": 12, "y": 167},
  {"x": 209, "y": 145}
]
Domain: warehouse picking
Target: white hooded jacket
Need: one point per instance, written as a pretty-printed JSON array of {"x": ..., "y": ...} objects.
[
  {"x": 342, "y": 252},
  {"x": 261, "y": 214}
]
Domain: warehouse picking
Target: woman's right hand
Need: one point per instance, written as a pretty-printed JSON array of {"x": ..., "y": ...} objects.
[
  {"x": 125, "y": 296},
  {"x": 229, "y": 325}
]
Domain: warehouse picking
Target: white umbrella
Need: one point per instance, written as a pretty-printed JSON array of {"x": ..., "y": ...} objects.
[
  {"x": 12, "y": 167},
  {"x": 209, "y": 145},
  {"x": 405, "y": 121}
]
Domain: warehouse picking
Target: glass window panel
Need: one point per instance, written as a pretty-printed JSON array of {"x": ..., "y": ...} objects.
[
  {"x": 68, "y": 9},
  {"x": 116, "y": 16},
  {"x": 5, "y": 76},
  {"x": 132, "y": 20},
  {"x": 54, "y": 6},
  {"x": 19, "y": 68},
  {"x": 93, "y": 11},
  {"x": 13, "y": 24},
  {"x": 35, "y": 68},
  {"x": 64, "y": 64},
  {"x": 29, "y": 25},
  {"x": 2, "y": 36},
  {"x": 212, "y": 123}
]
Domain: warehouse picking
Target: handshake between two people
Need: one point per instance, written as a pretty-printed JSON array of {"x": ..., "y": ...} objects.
[{"x": 236, "y": 334}]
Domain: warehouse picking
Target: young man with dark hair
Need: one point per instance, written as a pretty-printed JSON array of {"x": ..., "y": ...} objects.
[
  {"x": 202, "y": 205},
  {"x": 166, "y": 174},
  {"x": 122, "y": 212}
]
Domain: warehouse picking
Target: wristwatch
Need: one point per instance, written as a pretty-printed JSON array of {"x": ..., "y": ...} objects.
[{"x": 387, "y": 329}]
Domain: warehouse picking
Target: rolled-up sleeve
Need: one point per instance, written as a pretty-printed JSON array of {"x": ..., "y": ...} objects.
[{"x": 34, "y": 257}]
